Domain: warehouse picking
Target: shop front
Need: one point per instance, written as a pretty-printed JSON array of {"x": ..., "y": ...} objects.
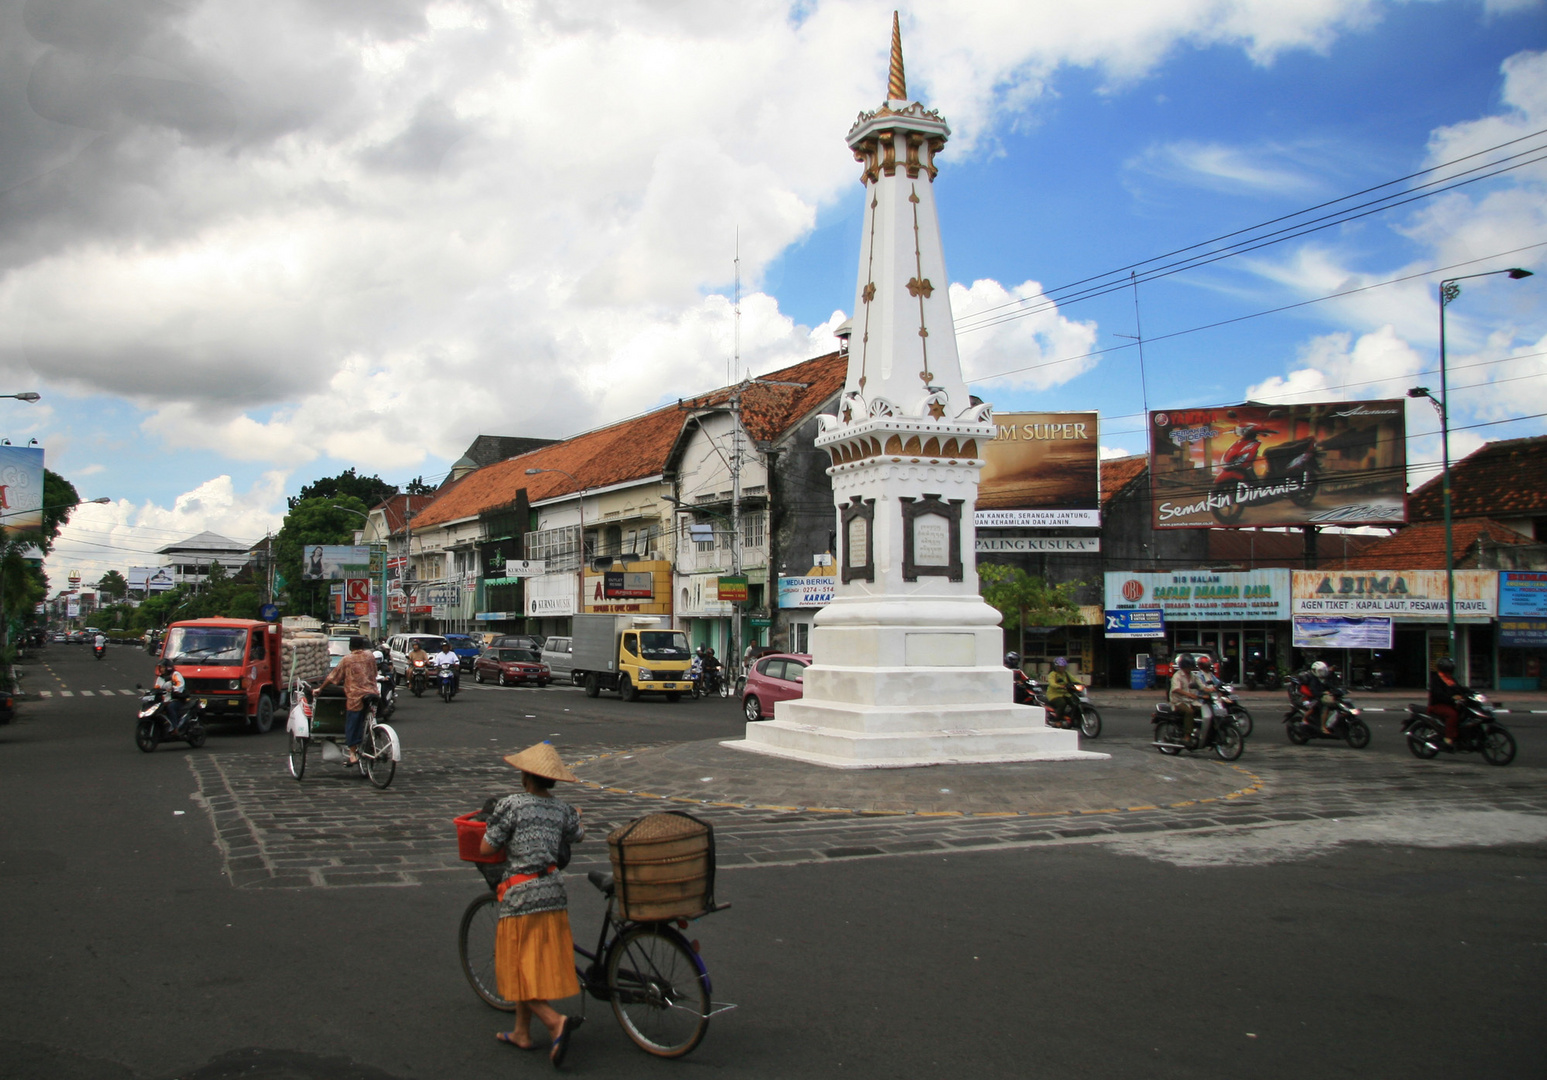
[
  {"x": 1240, "y": 618},
  {"x": 1522, "y": 630},
  {"x": 550, "y": 604},
  {"x": 1415, "y": 601},
  {"x": 706, "y": 618}
]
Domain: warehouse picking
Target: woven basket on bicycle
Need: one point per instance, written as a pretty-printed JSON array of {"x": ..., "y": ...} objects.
[{"x": 663, "y": 865}]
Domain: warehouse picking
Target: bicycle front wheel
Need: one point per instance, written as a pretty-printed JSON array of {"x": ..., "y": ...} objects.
[
  {"x": 660, "y": 993},
  {"x": 475, "y": 946}
]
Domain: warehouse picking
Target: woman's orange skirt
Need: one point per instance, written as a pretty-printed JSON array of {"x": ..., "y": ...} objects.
[{"x": 534, "y": 957}]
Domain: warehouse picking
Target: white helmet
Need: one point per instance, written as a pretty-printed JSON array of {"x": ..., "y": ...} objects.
[{"x": 1320, "y": 670}]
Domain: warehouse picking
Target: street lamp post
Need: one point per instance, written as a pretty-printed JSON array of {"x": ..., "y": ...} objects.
[
  {"x": 580, "y": 546},
  {"x": 28, "y": 396},
  {"x": 1449, "y": 290}
]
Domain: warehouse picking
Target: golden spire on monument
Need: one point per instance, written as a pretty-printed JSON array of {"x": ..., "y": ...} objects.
[{"x": 896, "y": 82}]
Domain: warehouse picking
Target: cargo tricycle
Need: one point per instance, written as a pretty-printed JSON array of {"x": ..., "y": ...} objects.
[{"x": 317, "y": 723}]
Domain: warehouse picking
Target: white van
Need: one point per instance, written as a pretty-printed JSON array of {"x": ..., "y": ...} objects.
[
  {"x": 559, "y": 655},
  {"x": 401, "y": 645}
]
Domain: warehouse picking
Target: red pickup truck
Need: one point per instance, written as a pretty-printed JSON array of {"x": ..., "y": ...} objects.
[{"x": 232, "y": 666}]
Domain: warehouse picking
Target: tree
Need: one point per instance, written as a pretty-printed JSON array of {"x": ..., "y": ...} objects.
[
  {"x": 369, "y": 490},
  {"x": 311, "y": 522},
  {"x": 417, "y": 486},
  {"x": 1025, "y": 600},
  {"x": 113, "y": 584}
]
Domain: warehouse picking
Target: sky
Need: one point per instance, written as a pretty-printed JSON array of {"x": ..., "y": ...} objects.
[{"x": 244, "y": 246}]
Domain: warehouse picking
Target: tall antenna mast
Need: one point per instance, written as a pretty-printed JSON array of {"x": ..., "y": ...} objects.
[{"x": 736, "y": 361}]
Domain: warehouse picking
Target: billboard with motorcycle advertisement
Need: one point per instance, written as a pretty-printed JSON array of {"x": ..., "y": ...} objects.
[
  {"x": 1041, "y": 470},
  {"x": 1323, "y": 463},
  {"x": 21, "y": 488}
]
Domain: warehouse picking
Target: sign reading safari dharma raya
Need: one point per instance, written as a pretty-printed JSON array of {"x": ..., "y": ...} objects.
[
  {"x": 1041, "y": 470},
  {"x": 1327, "y": 463},
  {"x": 1201, "y": 596},
  {"x": 21, "y": 488},
  {"x": 1413, "y": 595}
]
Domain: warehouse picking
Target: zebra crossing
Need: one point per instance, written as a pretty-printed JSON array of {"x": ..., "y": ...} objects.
[{"x": 86, "y": 693}]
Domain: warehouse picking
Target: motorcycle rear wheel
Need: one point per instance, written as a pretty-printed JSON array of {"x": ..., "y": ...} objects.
[
  {"x": 1307, "y": 494},
  {"x": 1498, "y": 746},
  {"x": 1168, "y": 731},
  {"x": 1297, "y": 733},
  {"x": 1421, "y": 741},
  {"x": 1358, "y": 734}
]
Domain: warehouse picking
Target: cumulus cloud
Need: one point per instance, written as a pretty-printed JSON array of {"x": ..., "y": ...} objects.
[
  {"x": 99, "y": 538},
  {"x": 1034, "y": 351}
]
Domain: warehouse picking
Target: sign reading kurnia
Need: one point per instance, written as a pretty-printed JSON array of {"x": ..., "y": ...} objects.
[
  {"x": 1042, "y": 469},
  {"x": 1328, "y": 463}
]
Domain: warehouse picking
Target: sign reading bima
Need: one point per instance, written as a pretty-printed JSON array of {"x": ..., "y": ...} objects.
[{"x": 1402, "y": 594}]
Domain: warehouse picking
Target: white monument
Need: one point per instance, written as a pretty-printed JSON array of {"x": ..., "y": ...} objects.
[{"x": 907, "y": 666}]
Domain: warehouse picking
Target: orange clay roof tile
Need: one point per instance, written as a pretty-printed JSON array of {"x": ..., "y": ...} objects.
[
  {"x": 632, "y": 449},
  {"x": 1422, "y": 546},
  {"x": 1502, "y": 479}
]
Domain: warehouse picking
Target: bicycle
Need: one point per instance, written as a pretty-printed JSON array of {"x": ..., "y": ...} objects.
[
  {"x": 651, "y": 974},
  {"x": 323, "y": 719}
]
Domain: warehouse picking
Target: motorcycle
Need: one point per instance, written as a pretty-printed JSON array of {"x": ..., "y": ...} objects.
[
  {"x": 1291, "y": 474},
  {"x": 1089, "y": 717},
  {"x": 386, "y": 688},
  {"x": 1478, "y": 732},
  {"x": 447, "y": 679},
  {"x": 418, "y": 677},
  {"x": 1216, "y": 729},
  {"x": 99, "y": 651},
  {"x": 1342, "y": 721},
  {"x": 710, "y": 683},
  {"x": 155, "y": 722},
  {"x": 1243, "y": 716}
]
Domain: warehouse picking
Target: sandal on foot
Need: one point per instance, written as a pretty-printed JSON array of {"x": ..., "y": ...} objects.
[
  {"x": 561, "y": 1039},
  {"x": 509, "y": 1040}
]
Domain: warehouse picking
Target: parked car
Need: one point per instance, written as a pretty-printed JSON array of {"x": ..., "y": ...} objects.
[
  {"x": 77, "y": 637},
  {"x": 400, "y": 645},
  {"x": 516, "y": 641},
  {"x": 559, "y": 655},
  {"x": 775, "y": 678},
  {"x": 511, "y": 667},
  {"x": 465, "y": 647},
  {"x": 61, "y": 638},
  {"x": 338, "y": 648}
]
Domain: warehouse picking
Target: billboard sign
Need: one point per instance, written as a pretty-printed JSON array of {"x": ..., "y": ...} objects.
[
  {"x": 1063, "y": 544},
  {"x": 335, "y": 562},
  {"x": 1325, "y": 463},
  {"x": 21, "y": 488},
  {"x": 1041, "y": 470},
  {"x": 1136, "y": 623},
  {"x": 1523, "y": 633},
  {"x": 1342, "y": 632},
  {"x": 806, "y": 592},
  {"x": 1202, "y": 595},
  {"x": 620, "y": 585},
  {"x": 733, "y": 588},
  {"x": 1522, "y": 593},
  {"x": 1411, "y": 595}
]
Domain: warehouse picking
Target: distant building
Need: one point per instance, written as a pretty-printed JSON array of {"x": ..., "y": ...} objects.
[{"x": 190, "y": 560}]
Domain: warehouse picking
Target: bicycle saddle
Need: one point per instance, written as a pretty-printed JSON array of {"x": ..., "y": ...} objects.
[{"x": 602, "y": 881}]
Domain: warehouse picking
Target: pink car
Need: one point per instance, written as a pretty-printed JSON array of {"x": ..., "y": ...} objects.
[{"x": 775, "y": 678}]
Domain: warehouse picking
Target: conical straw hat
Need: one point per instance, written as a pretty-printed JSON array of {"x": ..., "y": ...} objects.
[{"x": 542, "y": 760}]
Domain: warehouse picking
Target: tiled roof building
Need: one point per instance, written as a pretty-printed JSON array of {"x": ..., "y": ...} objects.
[{"x": 1505, "y": 481}]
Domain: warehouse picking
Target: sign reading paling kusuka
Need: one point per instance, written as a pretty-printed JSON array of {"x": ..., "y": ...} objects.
[
  {"x": 1041, "y": 470},
  {"x": 1326, "y": 463},
  {"x": 1202, "y": 595}
]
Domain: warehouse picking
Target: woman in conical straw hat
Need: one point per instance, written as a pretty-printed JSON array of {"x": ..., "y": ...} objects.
[{"x": 533, "y": 949}]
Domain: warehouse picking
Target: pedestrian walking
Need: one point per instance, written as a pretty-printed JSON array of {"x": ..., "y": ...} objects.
[{"x": 534, "y": 949}]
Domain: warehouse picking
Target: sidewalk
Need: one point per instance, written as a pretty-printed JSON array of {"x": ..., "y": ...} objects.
[{"x": 1514, "y": 701}]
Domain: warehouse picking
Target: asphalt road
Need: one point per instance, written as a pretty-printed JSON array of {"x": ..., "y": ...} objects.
[{"x": 128, "y": 952}]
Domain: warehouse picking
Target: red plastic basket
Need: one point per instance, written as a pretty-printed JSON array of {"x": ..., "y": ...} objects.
[{"x": 469, "y": 837}]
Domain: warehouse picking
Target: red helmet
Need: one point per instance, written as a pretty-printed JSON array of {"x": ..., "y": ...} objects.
[{"x": 1205, "y": 663}]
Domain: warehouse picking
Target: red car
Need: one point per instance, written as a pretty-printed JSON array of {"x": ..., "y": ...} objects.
[
  {"x": 511, "y": 667},
  {"x": 780, "y": 677}
]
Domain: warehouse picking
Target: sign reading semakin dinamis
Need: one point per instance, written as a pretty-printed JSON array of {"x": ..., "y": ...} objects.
[{"x": 1327, "y": 463}]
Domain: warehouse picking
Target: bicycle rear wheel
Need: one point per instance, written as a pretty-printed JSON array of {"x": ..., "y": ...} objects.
[
  {"x": 660, "y": 992},
  {"x": 475, "y": 946}
]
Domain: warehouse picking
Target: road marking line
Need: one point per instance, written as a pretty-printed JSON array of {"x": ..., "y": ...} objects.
[
  {"x": 87, "y": 693},
  {"x": 45, "y": 693},
  {"x": 65, "y": 693}
]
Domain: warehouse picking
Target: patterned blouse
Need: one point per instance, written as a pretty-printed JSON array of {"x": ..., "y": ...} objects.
[{"x": 529, "y": 828}]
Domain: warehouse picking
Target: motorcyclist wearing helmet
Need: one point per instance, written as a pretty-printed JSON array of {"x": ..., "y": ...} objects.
[
  {"x": 1445, "y": 697},
  {"x": 1184, "y": 696},
  {"x": 1320, "y": 687},
  {"x": 171, "y": 680},
  {"x": 1060, "y": 692},
  {"x": 1022, "y": 684}
]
